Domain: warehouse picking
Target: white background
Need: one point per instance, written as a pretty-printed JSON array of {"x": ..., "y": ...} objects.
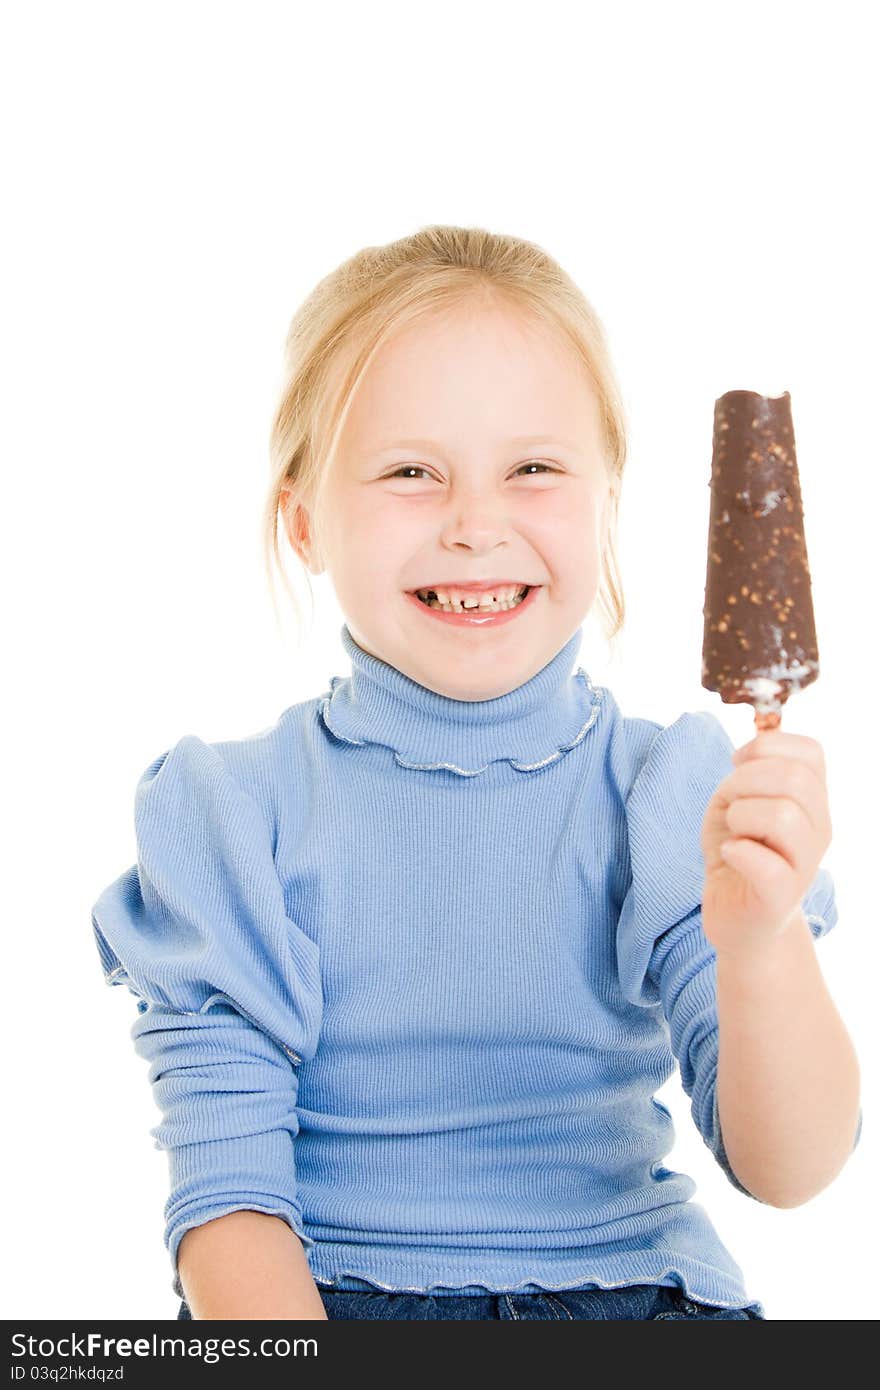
[{"x": 177, "y": 178}]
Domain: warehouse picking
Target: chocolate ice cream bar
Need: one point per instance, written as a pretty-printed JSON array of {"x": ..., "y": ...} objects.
[{"x": 759, "y": 636}]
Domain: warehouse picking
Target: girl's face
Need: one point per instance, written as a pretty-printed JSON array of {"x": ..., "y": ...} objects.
[{"x": 471, "y": 452}]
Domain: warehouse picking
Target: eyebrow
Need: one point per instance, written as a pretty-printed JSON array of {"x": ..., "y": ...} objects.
[{"x": 519, "y": 441}]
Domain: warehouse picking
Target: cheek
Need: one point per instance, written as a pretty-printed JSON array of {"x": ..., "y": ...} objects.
[
  {"x": 567, "y": 526},
  {"x": 371, "y": 557},
  {"x": 388, "y": 535},
  {"x": 366, "y": 532}
]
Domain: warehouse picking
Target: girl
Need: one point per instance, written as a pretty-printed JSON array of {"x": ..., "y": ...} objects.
[{"x": 411, "y": 964}]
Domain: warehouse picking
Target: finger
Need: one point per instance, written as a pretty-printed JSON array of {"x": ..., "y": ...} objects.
[
  {"x": 777, "y": 823},
  {"x": 777, "y": 743},
  {"x": 768, "y": 874},
  {"x": 776, "y": 777}
]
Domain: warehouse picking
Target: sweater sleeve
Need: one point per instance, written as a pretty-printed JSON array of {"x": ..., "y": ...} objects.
[
  {"x": 228, "y": 990},
  {"x": 665, "y": 960}
]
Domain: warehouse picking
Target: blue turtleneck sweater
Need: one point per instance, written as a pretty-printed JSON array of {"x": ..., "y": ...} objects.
[{"x": 409, "y": 971}]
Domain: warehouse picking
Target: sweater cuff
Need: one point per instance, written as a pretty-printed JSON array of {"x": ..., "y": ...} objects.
[{"x": 216, "y": 1177}]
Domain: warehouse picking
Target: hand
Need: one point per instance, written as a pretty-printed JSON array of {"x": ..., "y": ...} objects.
[{"x": 772, "y": 814}]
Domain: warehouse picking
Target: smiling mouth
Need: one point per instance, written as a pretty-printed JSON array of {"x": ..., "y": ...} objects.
[{"x": 475, "y": 602}]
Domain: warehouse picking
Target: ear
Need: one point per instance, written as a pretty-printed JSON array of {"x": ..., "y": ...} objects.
[{"x": 298, "y": 526}]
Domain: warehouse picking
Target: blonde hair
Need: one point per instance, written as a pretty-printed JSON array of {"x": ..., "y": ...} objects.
[{"x": 338, "y": 329}]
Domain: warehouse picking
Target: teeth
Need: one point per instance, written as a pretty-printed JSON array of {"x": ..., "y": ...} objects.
[{"x": 460, "y": 601}]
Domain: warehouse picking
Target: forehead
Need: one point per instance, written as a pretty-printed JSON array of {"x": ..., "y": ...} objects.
[{"x": 477, "y": 366}]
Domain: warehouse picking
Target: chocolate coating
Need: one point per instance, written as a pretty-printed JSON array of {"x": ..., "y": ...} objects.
[{"x": 759, "y": 635}]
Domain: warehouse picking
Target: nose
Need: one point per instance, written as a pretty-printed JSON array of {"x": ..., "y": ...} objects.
[{"x": 478, "y": 521}]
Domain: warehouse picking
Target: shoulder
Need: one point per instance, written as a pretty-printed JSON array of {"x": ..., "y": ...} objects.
[
  {"x": 686, "y": 756},
  {"x": 675, "y": 769},
  {"x": 691, "y": 754},
  {"x": 202, "y": 914},
  {"x": 192, "y": 782},
  {"x": 196, "y": 774}
]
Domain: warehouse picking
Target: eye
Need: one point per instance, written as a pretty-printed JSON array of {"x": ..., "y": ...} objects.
[
  {"x": 412, "y": 468},
  {"x": 537, "y": 463},
  {"x": 407, "y": 468}
]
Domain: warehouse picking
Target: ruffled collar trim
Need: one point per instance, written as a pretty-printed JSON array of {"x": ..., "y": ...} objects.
[{"x": 530, "y": 727}]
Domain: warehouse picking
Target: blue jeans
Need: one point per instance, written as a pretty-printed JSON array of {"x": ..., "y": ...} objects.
[{"x": 632, "y": 1302}]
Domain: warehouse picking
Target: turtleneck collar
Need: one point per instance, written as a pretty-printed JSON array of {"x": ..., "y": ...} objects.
[{"x": 531, "y": 726}]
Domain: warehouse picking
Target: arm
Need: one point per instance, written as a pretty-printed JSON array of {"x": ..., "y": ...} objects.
[
  {"x": 788, "y": 1076},
  {"x": 228, "y": 988},
  {"x": 247, "y": 1265}
]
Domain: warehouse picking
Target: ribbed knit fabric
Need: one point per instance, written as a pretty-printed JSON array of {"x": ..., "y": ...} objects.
[{"x": 409, "y": 971}]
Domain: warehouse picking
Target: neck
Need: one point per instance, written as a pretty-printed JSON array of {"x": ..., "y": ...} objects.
[{"x": 530, "y": 726}]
